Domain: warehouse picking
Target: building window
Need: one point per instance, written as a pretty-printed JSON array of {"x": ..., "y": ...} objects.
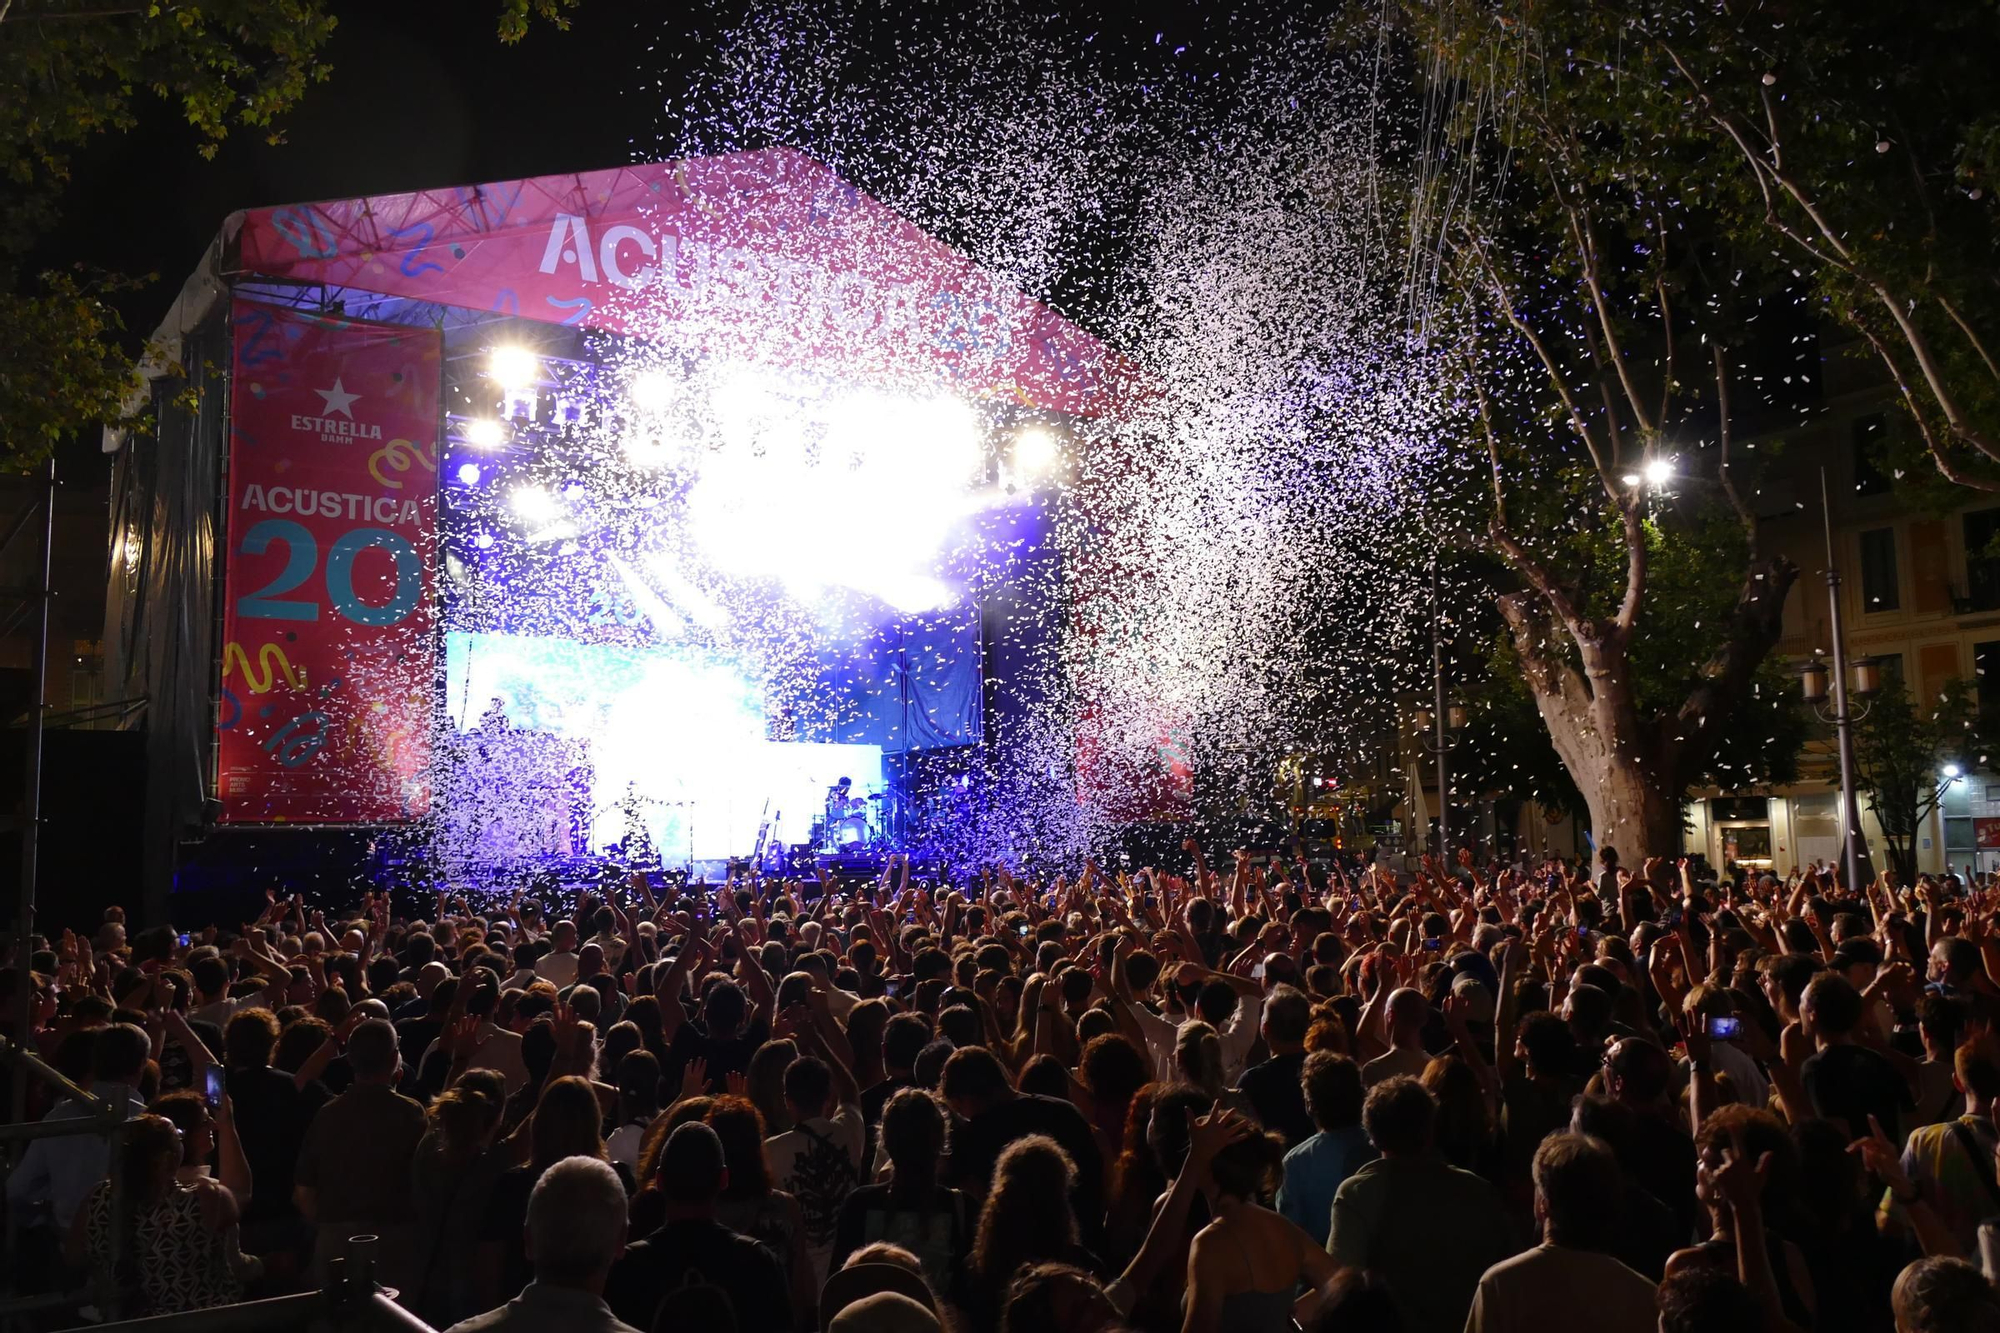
[
  {"x": 1986, "y": 677},
  {"x": 1869, "y": 440},
  {"x": 1878, "y": 570},
  {"x": 1960, "y": 839},
  {"x": 1982, "y": 560}
]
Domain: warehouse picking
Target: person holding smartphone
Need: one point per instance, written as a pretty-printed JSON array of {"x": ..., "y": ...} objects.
[{"x": 1712, "y": 1007}]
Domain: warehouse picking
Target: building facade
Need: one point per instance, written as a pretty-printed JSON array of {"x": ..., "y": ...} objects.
[{"x": 1919, "y": 591}]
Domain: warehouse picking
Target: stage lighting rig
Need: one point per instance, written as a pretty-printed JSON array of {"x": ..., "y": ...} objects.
[
  {"x": 535, "y": 504},
  {"x": 1036, "y": 450},
  {"x": 485, "y": 433},
  {"x": 513, "y": 368}
]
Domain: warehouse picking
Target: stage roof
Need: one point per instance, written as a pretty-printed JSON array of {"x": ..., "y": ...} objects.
[{"x": 766, "y": 256}]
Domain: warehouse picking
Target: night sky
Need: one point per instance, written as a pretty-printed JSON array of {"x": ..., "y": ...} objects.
[{"x": 421, "y": 95}]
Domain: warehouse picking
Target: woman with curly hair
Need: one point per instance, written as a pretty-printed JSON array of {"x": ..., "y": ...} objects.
[
  {"x": 750, "y": 1205},
  {"x": 1027, "y": 1220},
  {"x": 1760, "y": 1137}
]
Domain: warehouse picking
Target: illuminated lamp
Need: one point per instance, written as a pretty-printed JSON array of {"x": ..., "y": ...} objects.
[{"x": 513, "y": 368}]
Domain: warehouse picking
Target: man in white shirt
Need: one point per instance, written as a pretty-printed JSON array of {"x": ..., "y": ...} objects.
[
  {"x": 57, "y": 1174},
  {"x": 214, "y": 975},
  {"x": 1705, "y": 1002},
  {"x": 558, "y": 965},
  {"x": 1210, "y": 996},
  {"x": 818, "y": 1161},
  {"x": 493, "y": 1047},
  {"x": 1565, "y": 1282},
  {"x": 1409, "y": 1011}
]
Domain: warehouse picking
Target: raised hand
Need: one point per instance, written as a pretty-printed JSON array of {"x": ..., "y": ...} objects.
[
  {"x": 694, "y": 1078},
  {"x": 566, "y": 1028},
  {"x": 1211, "y": 1133},
  {"x": 1740, "y": 1180},
  {"x": 1880, "y": 1158},
  {"x": 459, "y": 1036}
]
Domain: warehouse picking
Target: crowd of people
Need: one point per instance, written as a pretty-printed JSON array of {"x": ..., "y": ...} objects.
[{"x": 1476, "y": 1097}]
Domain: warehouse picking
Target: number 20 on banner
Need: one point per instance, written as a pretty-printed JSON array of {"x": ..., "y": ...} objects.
[
  {"x": 305, "y": 735},
  {"x": 302, "y": 558}
]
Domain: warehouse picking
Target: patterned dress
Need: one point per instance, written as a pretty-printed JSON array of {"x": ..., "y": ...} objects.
[{"x": 172, "y": 1258}]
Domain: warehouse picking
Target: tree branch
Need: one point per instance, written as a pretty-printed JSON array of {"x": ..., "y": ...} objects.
[
  {"x": 1970, "y": 336},
  {"x": 1592, "y": 281},
  {"x": 1688, "y": 736},
  {"x": 1947, "y": 469},
  {"x": 1635, "y": 567},
  {"x": 1743, "y": 513},
  {"x": 1503, "y": 300}
]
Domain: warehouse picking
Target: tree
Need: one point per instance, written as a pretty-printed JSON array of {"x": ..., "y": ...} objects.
[
  {"x": 74, "y": 69},
  {"x": 1506, "y": 747},
  {"x": 1859, "y": 147},
  {"x": 1597, "y": 320},
  {"x": 1899, "y": 750}
]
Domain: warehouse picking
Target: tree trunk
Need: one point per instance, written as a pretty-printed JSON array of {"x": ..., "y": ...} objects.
[
  {"x": 1629, "y": 811},
  {"x": 1633, "y": 772}
]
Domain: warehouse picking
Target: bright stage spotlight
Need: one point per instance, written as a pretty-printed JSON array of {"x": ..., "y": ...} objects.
[
  {"x": 484, "y": 541},
  {"x": 534, "y": 504},
  {"x": 485, "y": 433},
  {"x": 1035, "y": 451},
  {"x": 652, "y": 390},
  {"x": 513, "y": 368},
  {"x": 1659, "y": 472},
  {"x": 468, "y": 474}
]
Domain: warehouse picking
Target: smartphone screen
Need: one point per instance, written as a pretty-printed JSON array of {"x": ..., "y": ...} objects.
[
  {"x": 212, "y": 1086},
  {"x": 1433, "y": 944},
  {"x": 1723, "y": 1027}
]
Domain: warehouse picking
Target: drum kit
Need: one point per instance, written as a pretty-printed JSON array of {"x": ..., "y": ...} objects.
[{"x": 852, "y": 823}]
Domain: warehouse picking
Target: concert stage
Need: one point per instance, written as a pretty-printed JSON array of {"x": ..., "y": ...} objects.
[{"x": 610, "y": 518}]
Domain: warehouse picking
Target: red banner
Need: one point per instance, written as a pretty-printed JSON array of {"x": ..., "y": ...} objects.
[
  {"x": 329, "y": 644},
  {"x": 762, "y": 255}
]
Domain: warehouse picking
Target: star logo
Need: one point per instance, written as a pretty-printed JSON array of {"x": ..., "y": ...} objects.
[{"x": 338, "y": 400}]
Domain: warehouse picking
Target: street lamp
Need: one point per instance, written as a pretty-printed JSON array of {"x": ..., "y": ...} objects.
[
  {"x": 1443, "y": 722},
  {"x": 1867, "y": 682}
]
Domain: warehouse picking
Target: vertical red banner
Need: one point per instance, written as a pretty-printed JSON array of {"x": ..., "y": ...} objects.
[{"x": 329, "y": 631}]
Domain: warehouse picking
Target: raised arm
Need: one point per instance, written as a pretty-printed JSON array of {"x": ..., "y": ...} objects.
[{"x": 693, "y": 948}]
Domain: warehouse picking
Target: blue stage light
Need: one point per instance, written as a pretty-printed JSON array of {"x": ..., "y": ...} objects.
[{"x": 468, "y": 474}]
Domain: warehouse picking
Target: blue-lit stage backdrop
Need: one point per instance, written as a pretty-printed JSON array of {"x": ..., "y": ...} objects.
[{"x": 684, "y": 598}]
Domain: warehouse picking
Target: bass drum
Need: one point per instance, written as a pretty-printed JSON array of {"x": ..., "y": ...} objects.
[{"x": 851, "y": 831}]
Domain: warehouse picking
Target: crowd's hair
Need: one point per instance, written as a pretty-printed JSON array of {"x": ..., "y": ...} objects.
[
  {"x": 460, "y": 1119},
  {"x": 576, "y": 1220},
  {"x": 1027, "y": 1217},
  {"x": 1400, "y": 1115}
]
